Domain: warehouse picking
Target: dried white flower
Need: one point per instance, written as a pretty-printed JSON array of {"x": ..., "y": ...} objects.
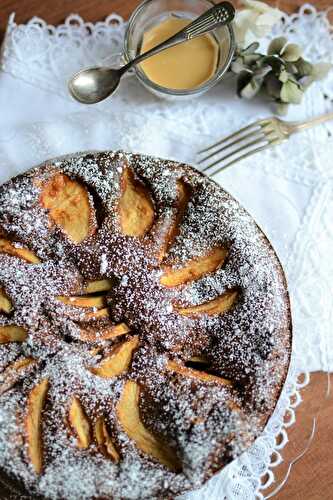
[{"x": 254, "y": 21}]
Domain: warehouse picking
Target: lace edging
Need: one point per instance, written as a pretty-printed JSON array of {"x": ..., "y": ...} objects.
[
  {"x": 37, "y": 52},
  {"x": 46, "y": 57}
]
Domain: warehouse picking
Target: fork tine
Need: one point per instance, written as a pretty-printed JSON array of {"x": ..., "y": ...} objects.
[
  {"x": 232, "y": 153},
  {"x": 255, "y": 134},
  {"x": 256, "y": 125},
  {"x": 242, "y": 157},
  {"x": 225, "y": 139}
]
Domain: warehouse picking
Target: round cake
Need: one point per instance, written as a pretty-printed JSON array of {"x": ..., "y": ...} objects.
[{"x": 145, "y": 330}]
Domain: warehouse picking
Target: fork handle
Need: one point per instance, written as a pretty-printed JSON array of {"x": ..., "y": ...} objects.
[{"x": 312, "y": 122}]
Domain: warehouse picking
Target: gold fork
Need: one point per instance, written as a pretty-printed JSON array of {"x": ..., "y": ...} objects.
[{"x": 249, "y": 140}]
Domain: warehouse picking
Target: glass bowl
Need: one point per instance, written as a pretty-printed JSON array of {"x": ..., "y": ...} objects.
[{"x": 151, "y": 12}]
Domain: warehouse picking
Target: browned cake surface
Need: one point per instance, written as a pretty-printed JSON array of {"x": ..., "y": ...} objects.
[{"x": 146, "y": 383}]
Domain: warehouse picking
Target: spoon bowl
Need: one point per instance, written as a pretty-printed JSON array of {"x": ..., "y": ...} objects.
[{"x": 93, "y": 85}]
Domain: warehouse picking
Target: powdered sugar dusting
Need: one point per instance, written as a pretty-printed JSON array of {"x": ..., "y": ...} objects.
[
  {"x": 104, "y": 264},
  {"x": 207, "y": 424}
]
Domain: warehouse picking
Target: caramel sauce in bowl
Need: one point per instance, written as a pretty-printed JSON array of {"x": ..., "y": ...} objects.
[
  {"x": 185, "y": 66},
  {"x": 183, "y": 71}
]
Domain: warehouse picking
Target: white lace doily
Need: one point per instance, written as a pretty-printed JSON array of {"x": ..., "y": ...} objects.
[{"x": 289, "y": 190}]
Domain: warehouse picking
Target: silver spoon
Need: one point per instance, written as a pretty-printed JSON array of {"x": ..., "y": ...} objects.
[{"x": 92, "y": 85}]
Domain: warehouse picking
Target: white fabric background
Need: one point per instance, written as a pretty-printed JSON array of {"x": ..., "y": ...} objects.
[{"x": 288, "y": 190}]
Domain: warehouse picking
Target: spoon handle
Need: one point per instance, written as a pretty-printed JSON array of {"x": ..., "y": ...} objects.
[{"x": 220, "y": 14}]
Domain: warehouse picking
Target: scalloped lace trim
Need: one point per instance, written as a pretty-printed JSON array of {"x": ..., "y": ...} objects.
[{"x": 39, "y": 54}]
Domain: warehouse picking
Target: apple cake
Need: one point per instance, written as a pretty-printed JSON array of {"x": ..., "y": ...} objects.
[{"x": 145, "y": 328}]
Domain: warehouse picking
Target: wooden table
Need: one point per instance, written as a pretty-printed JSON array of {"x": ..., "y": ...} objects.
[
  {"x": 312, "y": 477},
  {"x": 54, "y": 11}
]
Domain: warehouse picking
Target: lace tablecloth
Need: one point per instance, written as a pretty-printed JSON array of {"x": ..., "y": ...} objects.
[{"x": 288, "y": 190}]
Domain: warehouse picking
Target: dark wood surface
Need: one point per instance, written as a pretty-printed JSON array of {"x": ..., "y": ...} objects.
[
  {"x": 54, "y": 11},
  {"x": 312, "y": 477}
]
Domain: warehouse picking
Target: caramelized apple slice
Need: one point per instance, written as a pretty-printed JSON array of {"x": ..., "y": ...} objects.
[
  {"x": 34, "y": 424},
  {"x": 105, "y": 333},
  {"x": 194, "y": 269},
  {"x": 22, "y": 253},
  {"x": 183, "y": 196},
  {"x": 197, "y": 374},
  {"x": 69, "y": 207},
  {"x": 129, "y": 417},
  {"x": 102, "y": 313},
  {"x": 104, "y": 441},
  {"x": 12, "y": 333},
  {"x": 119, "y": 360},
  {"x": 5, "y": 303},
  {"x": 96, "y": 350},
  {"x": 14, "y": 372},
  {"x": 97, "y": 302},
  {"x": 136, "y": 209},
  {"x": 199, "y": 359},
  {"x": 216, "y": 306},
  {"x": 98, "y": 286},
  {"x": 79, "y": 423}
]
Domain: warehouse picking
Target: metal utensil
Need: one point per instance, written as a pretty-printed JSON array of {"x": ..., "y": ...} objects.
[
  {"x": 249, "y": 140},
  {"x": 92, "y": 85}
]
